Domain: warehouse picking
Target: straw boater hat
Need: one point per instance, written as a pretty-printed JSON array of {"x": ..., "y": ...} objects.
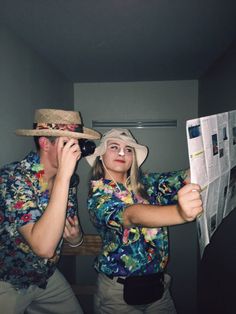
[
  {"x": 53, "y": 122},
  {"x": 123, "y": 135}
]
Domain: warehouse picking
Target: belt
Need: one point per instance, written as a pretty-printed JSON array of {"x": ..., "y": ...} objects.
[
  {"x": 117, "y": 279},
  {"x": 159, "y": 277}
]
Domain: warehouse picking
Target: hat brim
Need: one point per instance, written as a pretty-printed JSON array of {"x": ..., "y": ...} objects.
[
  {"x": 141, "y": 152},
  {"x": 87, "y": 133}
]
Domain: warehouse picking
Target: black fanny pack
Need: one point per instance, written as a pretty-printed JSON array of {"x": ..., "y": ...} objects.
[{"x": 140, "y": 290}]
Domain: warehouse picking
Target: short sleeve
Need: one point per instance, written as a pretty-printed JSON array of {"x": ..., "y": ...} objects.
[
  {"x": 21, "y": 204},
  {"x": 106, "y": 210}
]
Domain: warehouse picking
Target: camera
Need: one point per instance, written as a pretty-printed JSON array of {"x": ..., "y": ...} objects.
[{"x": 87, "y": 147}]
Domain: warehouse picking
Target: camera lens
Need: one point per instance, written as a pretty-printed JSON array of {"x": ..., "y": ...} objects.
[{"x": 87, "y": 147}]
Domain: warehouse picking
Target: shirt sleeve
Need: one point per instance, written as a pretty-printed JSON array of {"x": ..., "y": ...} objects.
[
  {"x": 72, "y": 206},
  {"x": 105, "y": 209},
  {"x": 21, "y": 203},
  {"x": 162, "y": 188}
]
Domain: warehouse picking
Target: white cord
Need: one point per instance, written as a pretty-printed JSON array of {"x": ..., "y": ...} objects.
[{"x": 110, "y": 174}]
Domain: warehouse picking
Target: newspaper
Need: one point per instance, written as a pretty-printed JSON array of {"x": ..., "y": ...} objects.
[{"x": 212, "y": 156}]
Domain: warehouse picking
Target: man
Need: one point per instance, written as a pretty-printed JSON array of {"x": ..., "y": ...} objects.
[{"x": 37, "y": 208}]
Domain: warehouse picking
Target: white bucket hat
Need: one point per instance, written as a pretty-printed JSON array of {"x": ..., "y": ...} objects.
[{"x": 123, "y": 135}]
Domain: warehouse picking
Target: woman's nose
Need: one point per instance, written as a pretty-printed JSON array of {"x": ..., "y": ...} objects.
[{"x": 121, "y": 152}]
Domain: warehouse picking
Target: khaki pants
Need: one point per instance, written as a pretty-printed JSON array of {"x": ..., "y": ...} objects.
[
  {"x": 57, "y": 298},
  {"x": 109, "y": 299}
]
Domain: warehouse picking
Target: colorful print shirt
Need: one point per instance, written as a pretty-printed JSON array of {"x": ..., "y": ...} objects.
[
  {"x": 136, "y": 250},
  {"x": 23, "y": 199}
]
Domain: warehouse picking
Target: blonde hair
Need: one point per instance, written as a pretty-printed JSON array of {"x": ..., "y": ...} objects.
[{"x": 134, "y": 174}]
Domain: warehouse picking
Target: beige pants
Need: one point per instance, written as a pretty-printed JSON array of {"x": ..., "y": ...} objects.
[
  {"x": 109, "y": 299},
  {"x": 57, "y": 298}
]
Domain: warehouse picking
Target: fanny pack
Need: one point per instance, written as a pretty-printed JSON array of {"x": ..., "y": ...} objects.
[{"x": 140, "y": 290}]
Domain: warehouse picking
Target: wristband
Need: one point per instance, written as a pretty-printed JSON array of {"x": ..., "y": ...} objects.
[{"x": 77, "y": 244}]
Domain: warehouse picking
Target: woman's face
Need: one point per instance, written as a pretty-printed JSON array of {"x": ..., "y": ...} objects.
[{"x": 118, "y": 157}]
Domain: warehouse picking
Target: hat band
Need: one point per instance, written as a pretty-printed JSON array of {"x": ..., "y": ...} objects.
[{"x": 62, "y": 127}]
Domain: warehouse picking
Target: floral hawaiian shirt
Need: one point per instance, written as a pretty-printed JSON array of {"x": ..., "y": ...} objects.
[
  {"x": 136, "y": 250},
  {"x": 23, "y": 199}
]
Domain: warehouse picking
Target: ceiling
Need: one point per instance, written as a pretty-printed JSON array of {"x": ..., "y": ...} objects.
[{"x": 125, "y": 40}]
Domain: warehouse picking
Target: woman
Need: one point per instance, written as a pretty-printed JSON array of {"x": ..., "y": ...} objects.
[{"x": 131, "y": 212}]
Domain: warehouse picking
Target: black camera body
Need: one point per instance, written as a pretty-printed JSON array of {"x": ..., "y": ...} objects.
[{"x": 87, "y": 147}]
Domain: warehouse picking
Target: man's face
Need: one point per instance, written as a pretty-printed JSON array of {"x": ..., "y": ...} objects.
[{"x": 52, "y": 152}]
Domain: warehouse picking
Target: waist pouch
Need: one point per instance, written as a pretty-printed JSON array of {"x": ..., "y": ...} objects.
[{"x": 140, "y": 290}]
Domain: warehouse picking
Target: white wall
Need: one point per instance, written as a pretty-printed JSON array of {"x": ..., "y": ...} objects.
[
  {"x": 168, "y": 151},
  {"x": 27, "y": 82}
]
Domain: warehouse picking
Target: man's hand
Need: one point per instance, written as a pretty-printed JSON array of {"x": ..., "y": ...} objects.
[
  {"x": 68, "y": 154},
  {"x": 190, "y": 202},
  {"x": 72, "y": 231}
]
